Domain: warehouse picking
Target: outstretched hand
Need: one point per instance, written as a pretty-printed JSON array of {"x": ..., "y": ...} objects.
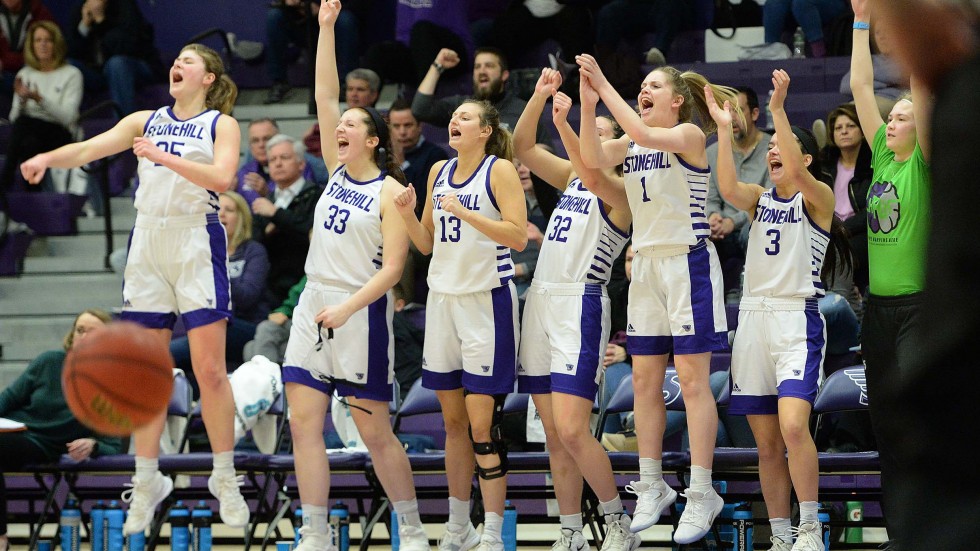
[
  {"x": 560, "y": 106},
  {"x": 721, "y": 114},
  {"x": 548, "y": 82},
  {"x": 588, "y": 67},
  {"x": 780, "y": 86},
  {"x": 329, "y": 12}
]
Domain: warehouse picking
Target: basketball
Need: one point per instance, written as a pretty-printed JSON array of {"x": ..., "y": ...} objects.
[{"x": 118, "y": 379}]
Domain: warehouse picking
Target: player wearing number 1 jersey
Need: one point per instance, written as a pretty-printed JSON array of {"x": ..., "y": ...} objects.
[
  {"x": 341, "y": 340},
  {"x": 676, "y": 293},
  {"x": 176, "y": 264},
  {"x": 778, "y": 351}
]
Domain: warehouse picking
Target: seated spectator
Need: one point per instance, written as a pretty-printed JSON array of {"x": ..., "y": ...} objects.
[
  {"x": 729, "y": 225},
  {"x": 112, "y": 43},
  {"x": 847, "y": 162},
  {"x": 272, "y": 333},
  {"x": 409, "y": 338},
  {"x": 779, "y": 16},
  {"x": 47, "y": 92},
  {"x": 527, "y": 260},
  {"x": 289, "y": 25},
  {"x": 17, "y": 16},
  {"x": 363, "y": 87},
  {"x": 416, "y": 155},
  {"x": 253, "y": 176},
  {"x": 421, "y": 30},
  {"x": 283, "y": 220},
  {"x": 248, "y": 269},
  {"x": 36, "y": 400}
]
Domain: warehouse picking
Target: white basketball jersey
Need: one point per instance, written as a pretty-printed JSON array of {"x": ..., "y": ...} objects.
[
  {"x": 785, "y": 251},
  {"x": 580, "y": 243},
  {"x": 345, "y": 251},
  {"x": 163, "y": 192},
  {"x": 667, "y": 198},
  {"x": 464, "y": 260}
]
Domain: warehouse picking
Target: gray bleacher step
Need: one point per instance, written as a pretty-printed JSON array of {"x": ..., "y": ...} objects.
[
  {"x": 65, "y": 264},
  {"x": 120, "y": 223},
  {"x": 25, "y": 338},
  {"x": 91, "y": 245},
  {"x": 59, "y": 294}
]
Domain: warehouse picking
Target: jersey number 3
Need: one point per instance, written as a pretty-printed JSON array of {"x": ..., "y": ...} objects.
[
  {"x": 337, "y": 219},
  {"x": 773, "y": 248}
]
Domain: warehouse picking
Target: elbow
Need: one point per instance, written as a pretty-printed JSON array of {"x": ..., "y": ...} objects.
[
  {"x": 520, "y": 244},
  {"x": 228, "y": 183}
]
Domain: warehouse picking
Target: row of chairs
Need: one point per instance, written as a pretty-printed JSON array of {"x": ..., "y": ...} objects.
[{"x": 271, "y": 478}]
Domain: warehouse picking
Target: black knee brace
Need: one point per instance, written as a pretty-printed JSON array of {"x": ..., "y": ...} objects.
[{"x": 496, "y": 446}]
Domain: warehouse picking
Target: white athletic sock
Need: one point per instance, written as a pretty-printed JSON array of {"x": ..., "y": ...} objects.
[
  {"x": 700, "y": 479},
  {"x": 408, "y": 513},
  {"x": 459, "y": 514},
  {"x": 651, "y": 470},
  {"x": 808, "y": 511},
  {"x": 493, "y": 524},
  {"x": 572, "y": 522},
  {"x": 147, "y": 467},
  {"x": 224, "y": 464},
  {"x": 612, "y": 507},
  {"x": 781, "y": 528},
  {"x": 317, "y": 518}
]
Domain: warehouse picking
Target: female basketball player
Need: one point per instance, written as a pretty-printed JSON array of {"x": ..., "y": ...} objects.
[
  {"x": 566, "y": 317},
  {"x": 476, "y": 213},
  {"x": 188, "y": 154},
  {"x": 357, "y": 252},
  {"x": 676, "y": 294},
  {"x": 781, "y": 338}
]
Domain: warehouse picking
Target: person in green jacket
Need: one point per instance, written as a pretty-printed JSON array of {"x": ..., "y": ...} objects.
[
  {"x": 35, "y": 400},
  {"x": 272, "y": 333}
]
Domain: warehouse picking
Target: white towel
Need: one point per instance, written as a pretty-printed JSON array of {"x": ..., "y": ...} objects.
[{"x": 256, "y": 384}]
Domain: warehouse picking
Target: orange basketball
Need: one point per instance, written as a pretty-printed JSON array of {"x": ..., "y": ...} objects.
[{"x": 118, "y": 379}]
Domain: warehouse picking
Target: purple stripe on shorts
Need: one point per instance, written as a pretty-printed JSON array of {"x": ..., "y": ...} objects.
[
  {"x": 534, "y": 384},
  {"x": 705, "y": 338},
  {"x": 379, "y": 334},
  {"x": 505, "y": 348},
  {"x": 648, "y": 346},
  {"x": 298, "y": 375},
  {"x": 150, "y": 320},
  {"x": 219, "y": 265},
  {"x": 203, "y": 316}
]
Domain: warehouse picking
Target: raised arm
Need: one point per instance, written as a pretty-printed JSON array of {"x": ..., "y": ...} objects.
[
  {"x": 818, "y": 196},
  {"x": 425, "y": 106},
  {"x": 117, "y": 139},
  {"x": 546, "y": 165},
  {"x": 922, "y": 111},
  {"x": 683, "y": 139},
  {"x": 595, "y": 153},
  {"x": 326, "y": 86},
  {"x": 741, "y": 195},
  {"x": 862, "y": 73}
]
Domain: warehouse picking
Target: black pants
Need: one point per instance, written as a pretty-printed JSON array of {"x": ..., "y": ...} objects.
[
  {"x": 517, "y": 31},
  {"x": 407, "y": 64},
  {"x": 16, "y": 450},
  {"x": 888, "y": 335},
  {"x": 28, "y": 137}
]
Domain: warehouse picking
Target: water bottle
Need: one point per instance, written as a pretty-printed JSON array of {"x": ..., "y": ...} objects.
[
  {"x": 180, "y": 534},
  {"x": 823, "y": 515},
  {"x": 340, "y": 521},
  {"x": 201, "y": 519},
  {"x": 855, "y": 512},
  {"x": 509, "y": 531},
  {"x": 297, "y": 524},
  {"x": 70, "y": 525},
  {"x": 114, "y": 517},
  {"x": 136, "y": 542},
  {"x": 98, "y": 528},
  {"x": 394, "y": 531},
  {"x": 742, "y": 524},
  {"x": 799, "y": 43}
]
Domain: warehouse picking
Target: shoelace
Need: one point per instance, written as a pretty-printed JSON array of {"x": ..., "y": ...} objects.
[
  {"x": 636, "y": 487},
  {"x": 616, "y": 534},
  {"x": 129, "y": 495},
  {"x": 564, "y": 542},
  {"x": 696, "y": 506},
  {"x": 230, "y": 483}
]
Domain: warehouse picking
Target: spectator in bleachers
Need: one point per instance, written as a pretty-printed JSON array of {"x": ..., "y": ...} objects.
[
  {"x": 47, "y": 92},
  {"x": 847, "y": 161},
  {"x": 779, "y": 16},
  {"x": 253, "y": 176},
  {"x": 112, "y": 43},
  {"x": 248, "y": 270},
  {"x": 729, "y": 225},
  {"x": 289, "y": 26},
  {"x": 272, "y": 333},
  {"x": 15, "y": 18},
  {"x": 284, "y": 218},
  {"x": 409, "y": 342},
  {"x": 363, "y": 87},
  {"x": 421, "y": 30},
  {"x": 49, "y": 428},
  {"x": 526, "y": 261},
  {"x": 620, "y": 23},
  {"x": 899, "y": 215}
]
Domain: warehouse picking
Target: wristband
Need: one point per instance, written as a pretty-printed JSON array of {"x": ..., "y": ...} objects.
[
  {"x": 861, "y": 25},
  {"x": 439, "y": 68}
]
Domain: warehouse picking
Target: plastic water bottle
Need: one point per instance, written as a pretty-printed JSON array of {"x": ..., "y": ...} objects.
[
  {"x": 742, "y": 524},
  {"x": 180, "y": 534},
  {"x": 824, "y": 517},
  {"x": 394, "y": 531},
  {"x": 98, "y": 526},
  {"x": 70, "y": 525},
  {"x": 509, "y": 531},
  {"x": 340, "y": 521},
  {"x": 114, "y": 517},
  {"x": 855, "y": 513},
  {"x": 136, "y": 542},
  {"x": 297, "y": 524},
  {"x": 799, "y": 43},
  {"x": 201, "y": 519}
]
